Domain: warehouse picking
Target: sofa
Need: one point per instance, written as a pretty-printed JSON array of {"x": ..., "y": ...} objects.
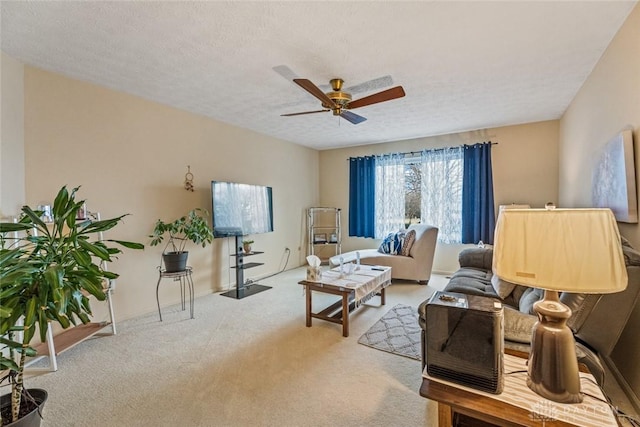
[
  {"x": 416, "y": 265},
  {"x": 597, "y": 320}
]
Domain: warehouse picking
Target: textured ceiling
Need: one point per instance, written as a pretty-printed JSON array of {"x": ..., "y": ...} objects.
[{"x": 463, "y": 65}]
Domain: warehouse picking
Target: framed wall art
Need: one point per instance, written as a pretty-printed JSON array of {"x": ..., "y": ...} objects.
[{"x": 614, "y": 178}]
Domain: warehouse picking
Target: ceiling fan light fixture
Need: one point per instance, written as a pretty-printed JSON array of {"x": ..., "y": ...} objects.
[
  {"x": 339, "y": 102},
  {"x": 339, "y": 98}
]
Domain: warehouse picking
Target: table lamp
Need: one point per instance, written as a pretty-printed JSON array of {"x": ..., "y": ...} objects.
[{"x": 558, "y": 250}]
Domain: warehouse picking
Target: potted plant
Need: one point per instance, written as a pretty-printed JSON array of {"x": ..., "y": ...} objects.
[
  {"x": 246, "y": 246},
  {"x": 191, "y": 227},
  {"x": 47, "y": 272}
]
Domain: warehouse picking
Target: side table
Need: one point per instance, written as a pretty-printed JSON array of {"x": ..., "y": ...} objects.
[
  {"x": 517, "y": 405},
  {"x": 184, "y": 277}
]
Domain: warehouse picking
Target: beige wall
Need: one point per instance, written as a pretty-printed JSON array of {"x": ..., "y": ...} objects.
[
  {"x": 608, "y": 102},
  {"x": 131, "y": 156},
  {"x": 12, "y": 187},
  {"x": 525, "y": 170}
]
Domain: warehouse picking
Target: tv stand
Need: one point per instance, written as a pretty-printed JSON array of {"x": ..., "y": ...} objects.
[{"x": 243, "y": 290}]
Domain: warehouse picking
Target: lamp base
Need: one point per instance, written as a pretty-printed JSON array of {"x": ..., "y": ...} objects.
[{"x": 553, "y": 365}]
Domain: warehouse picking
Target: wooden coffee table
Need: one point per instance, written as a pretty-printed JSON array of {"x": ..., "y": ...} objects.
[{"x": 354, "y": 289}]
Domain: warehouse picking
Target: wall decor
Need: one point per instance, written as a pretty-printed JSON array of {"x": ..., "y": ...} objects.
[
  {"x": 614, "y": 178},
  {"x": 188, "y": 180}
]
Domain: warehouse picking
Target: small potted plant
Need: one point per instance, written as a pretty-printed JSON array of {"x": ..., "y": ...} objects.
[
  {"x": 191, "y": 227},
  {"x": 246, "y": 246},
  {"x": 47, "y": 271}
]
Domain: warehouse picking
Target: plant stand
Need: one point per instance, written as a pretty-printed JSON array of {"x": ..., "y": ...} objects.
[
  {"x": 184, "y": 277},
  {"x": 55, "y": 345}
]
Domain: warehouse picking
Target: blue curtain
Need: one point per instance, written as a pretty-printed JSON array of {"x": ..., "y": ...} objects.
[
  {"x": 362, "y": 197},
  {"x": 478, "y": 214}
]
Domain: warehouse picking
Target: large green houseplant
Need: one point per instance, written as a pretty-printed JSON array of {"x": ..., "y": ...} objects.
[
  {"x": 47, "y": 272},
  {"x": 193, "y": 227}
]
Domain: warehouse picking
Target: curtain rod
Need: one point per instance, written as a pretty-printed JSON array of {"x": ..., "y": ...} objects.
[{"x": 413, "y": 153}]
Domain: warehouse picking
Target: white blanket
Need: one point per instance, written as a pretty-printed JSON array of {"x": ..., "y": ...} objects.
[{"x": 366, "y": 282}]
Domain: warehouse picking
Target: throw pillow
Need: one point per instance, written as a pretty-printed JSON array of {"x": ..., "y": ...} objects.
[
  {"x": 391, "y": 244},
  {"x": 529, "y": 297},
  {"x": 407, "y": 243},
  {"x": 631, "y": 256},
  {"x": 502, "y": 287}
]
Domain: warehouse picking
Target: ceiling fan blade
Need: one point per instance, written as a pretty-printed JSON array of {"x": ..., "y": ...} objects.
[
  {"x": 385, "y": 95},
  {"x": 304, "y": 112},
  {"x": 315, "y": 91},
  {"x": 352, "y": 117},
  {"x": 291, "y": 75},
  {"x": 285, "y": 72},
  {"x": 368, "y": 86},
  {"x": 371, "y": 85}
]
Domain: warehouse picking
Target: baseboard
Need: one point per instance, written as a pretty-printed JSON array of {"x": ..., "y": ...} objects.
[{"x": 624, "y": 385}]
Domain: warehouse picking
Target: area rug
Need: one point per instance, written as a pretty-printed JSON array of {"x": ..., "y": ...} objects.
[{"x": 397, "y": 332}]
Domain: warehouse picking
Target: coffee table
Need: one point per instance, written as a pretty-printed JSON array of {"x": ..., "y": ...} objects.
[{"x": 354, "y": 289}]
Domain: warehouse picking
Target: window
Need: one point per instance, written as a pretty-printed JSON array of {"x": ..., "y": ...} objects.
[
  {"x": 425, "y": 189},
  {"x": 394, "y": 191},
  {"x": 441, "y": 191},
  {"x": 389, "y": 194},
  {"x": 412, "y": 192}
]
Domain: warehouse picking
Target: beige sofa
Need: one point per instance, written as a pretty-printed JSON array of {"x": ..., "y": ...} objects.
[{"x": 417, "y": 266}]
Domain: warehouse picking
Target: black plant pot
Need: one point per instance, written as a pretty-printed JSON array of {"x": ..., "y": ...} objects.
[
  {"x": 175, "y": 261},
  {"x": 32, "y": 419}
]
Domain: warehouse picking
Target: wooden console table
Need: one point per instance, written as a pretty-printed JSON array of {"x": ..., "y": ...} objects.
[
  {"x": 353, "y": 289},
  {"x": 517, "y": 405}
]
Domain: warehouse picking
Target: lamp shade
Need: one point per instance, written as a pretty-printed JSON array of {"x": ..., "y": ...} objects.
[{"x": 566, "y": 250}]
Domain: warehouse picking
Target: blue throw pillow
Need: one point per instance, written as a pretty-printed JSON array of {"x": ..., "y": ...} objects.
[{"x": 392, "y": 244}]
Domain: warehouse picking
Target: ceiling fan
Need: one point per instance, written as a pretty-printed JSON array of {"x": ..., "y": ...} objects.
[{"x": 340, "y": 102}]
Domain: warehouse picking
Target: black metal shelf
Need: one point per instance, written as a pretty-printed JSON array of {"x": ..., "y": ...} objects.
[
  {"x": 248, "y": 265},
  {"x": 244, "y": 254},
  {"x": 243, "y": 289}
]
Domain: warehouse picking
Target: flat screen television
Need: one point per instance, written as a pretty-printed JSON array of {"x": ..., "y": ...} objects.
[{"x": 241, "y": 209}]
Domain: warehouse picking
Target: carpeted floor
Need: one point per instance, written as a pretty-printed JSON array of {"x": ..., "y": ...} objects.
[
  {"x": 397, "y": 332},
  {"x": 249, "y": 362}
]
